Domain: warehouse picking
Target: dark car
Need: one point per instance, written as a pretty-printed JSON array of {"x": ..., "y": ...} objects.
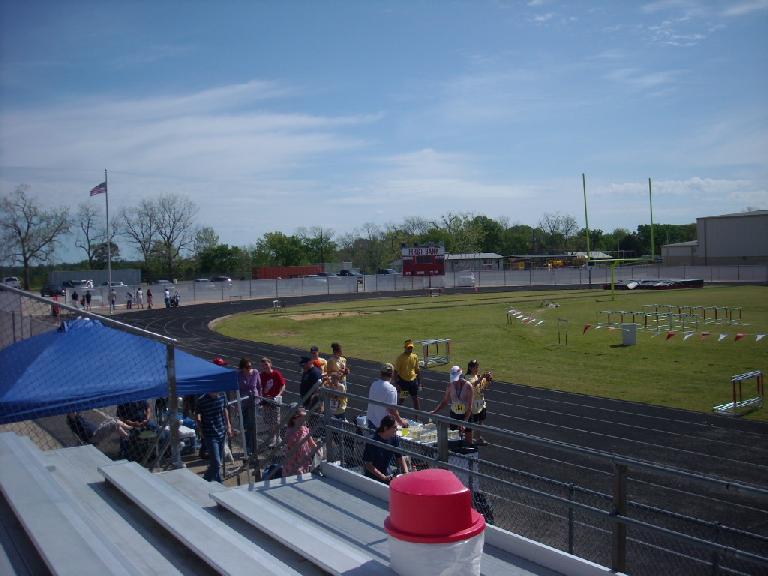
[
  {"x": 52, "y": 290},
  {"x": 348, "y": 273}
]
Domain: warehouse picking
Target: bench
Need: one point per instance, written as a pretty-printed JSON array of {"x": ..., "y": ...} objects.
[
  {"x": 57, "y": 526},
  {"x": 321, "y": 547},
  {"x": 434, "y": 291},
  {"x": 217, "y": 544}
]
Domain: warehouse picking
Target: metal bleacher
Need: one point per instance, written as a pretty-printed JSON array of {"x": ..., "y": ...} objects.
[{"x": 75, "y": 511}]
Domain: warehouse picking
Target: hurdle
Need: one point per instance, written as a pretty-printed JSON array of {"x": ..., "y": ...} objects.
[
  {"x": 436, "y": 359},
  {"x": 739, "y": 406}
]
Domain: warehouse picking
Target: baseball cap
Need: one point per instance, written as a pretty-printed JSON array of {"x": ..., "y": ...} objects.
[
  {"x": 408, "y": 343},
  {"x": 456, "y": 373},
  {"x": 314, "y": 349}
]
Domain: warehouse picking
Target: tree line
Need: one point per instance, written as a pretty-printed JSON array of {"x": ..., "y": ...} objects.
[{"x": 170, "y": 242}]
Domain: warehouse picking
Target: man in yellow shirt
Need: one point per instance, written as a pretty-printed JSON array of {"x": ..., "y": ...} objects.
[{"x": 408, "y": 379}]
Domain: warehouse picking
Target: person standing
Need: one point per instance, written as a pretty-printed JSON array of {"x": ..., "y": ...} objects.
[
  {"x": 75, "y": 298},
  {"x": 310, "y": 376},
  {"x": 87, "y": 299},
  {"x": 149, "y": 298},
  {"x": 272, "y": 386},
  {"x": 408, "y": 375},
  {"x": 318, "y": 361},
  {"x": 112, "y": 299},
  {"x": 250, "y": 387},
  {"x": 338, "y": 370},
  {"x": 167, "y": 297},
  {"x": 382, "y": 390},
  {"x": 480, "y": 384},
  {"x": 216, "y": 427},
  {"x": 459, "y": 396},
  {"x": 129, "y": 299},
  {"x": 139, "y": 297}
]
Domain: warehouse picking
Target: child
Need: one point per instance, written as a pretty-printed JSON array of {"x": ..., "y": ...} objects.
[
  {"x": 300, "y": 446},
  {"x": 334, "y": 381}
]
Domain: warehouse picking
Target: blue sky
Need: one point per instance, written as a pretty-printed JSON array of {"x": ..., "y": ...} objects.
[{"x": 280, "y": 115}]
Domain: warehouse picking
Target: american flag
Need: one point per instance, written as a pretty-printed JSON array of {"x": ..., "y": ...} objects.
[{"x": 100, "y": 189}]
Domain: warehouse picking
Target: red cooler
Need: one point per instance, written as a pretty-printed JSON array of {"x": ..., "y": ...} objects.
[{"x": 432, "y": 526}]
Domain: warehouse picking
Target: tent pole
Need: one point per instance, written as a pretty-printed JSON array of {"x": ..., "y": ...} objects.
[{"x": 173, "y": 408}]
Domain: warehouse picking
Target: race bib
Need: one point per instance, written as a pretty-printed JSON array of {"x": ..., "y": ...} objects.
[
  {"x": 478, "y": 405},
  {"x": 404, "y": 394},
  {"x": 458, "y": 408}
]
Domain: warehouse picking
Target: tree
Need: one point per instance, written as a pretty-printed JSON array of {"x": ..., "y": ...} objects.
[
  {"x": 28, "y": 232},
  {"x": 100, "y": 254},
  {"x": 139, "y": 226},
  {"x": 175, "y": 228},
  {"x": 558, "y": 230},
  {"x": 220, "y": 259},
  {"x": 319, "y": 243},
  {"x": 88, "y": 236},
  {"x": 205, "y": 239}
]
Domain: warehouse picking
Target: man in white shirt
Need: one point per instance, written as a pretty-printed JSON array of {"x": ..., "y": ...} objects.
[{"x": 383, "y": 390}]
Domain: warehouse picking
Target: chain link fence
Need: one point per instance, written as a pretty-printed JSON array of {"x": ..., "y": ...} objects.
[{"x": 604, "y": 513}]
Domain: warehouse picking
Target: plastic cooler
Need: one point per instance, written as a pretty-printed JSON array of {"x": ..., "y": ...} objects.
[{"x": 432, "y": 526}]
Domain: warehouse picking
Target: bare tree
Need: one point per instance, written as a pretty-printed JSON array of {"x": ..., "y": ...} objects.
[
  {"x": 139, "y": 225},
  {"x": 175, "y": 228},
  {"x": 28, "y": 232},
  {"x": 559, "y": 229},
  {"x": 89, "y": 236}
]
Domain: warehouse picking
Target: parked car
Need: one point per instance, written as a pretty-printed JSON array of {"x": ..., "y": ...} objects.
[
  {"x": 78, "y": 284},
  {"x": 351, "y": 273},
  {"x": 201, "y": 280},
  {"x": 52, "y": 290},
  {"x": 12, "y": 281},
  {"x": 388, "y": 271},
  {"x": 222, "y": 279},
  {"x": 114, "y": 284},
  {"x": 163, "y": 282}
]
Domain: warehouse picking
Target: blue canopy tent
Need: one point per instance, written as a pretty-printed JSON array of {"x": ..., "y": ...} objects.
[{"x": 87, "y": 365}]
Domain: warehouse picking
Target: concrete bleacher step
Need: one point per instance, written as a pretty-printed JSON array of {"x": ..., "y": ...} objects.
[
  {"x": 322, "y": 547},
  {"x": 217, "y": 544},
  {"x": 55, "y": 523}
]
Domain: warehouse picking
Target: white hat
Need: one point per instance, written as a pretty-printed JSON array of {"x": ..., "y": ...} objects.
[{"x": 456, "y": 373}]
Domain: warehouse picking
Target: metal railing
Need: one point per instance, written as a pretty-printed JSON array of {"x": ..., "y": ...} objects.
[{"x": 607, "y": 527}]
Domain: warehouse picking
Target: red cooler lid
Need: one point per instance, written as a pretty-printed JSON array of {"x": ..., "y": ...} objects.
[{"x": 431, "y": 506}]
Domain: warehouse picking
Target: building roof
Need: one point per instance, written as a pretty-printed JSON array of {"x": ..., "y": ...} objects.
[
  {"x": 738, "y": 214},
  {"x": 689, "y": 243},
  {"x": 474, "y": 256}
]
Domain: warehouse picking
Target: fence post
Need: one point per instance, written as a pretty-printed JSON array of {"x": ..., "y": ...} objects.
[
  {"x": 442, "y": 441},
  {"x": 173, "y": 408},
  {"x": 619, "y": 546},
  {"x": 571, "y": 495},
  {"x": 329, "y": 437}
]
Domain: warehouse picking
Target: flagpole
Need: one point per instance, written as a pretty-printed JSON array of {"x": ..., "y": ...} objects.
[
  {"x": 109, "y": 240},
  {"x": 653, "y": 243},
  {"x": 586, "y": 223}
]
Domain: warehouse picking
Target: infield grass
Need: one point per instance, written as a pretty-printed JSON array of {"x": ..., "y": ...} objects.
[{"x": 693, "y": 374}]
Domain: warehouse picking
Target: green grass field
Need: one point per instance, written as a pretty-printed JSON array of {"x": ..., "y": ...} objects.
[{"x": 693, "y": 374}]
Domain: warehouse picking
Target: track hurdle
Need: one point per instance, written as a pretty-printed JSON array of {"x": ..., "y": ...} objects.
[
  {"x": 436, "y": 359},
  {"x": 739, "y": 406}
]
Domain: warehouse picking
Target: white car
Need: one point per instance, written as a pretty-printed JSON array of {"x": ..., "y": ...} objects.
[{"x": 12, "y": 281}]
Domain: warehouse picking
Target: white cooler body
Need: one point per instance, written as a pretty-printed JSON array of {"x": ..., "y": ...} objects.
[{"x": 460, "y": 558}]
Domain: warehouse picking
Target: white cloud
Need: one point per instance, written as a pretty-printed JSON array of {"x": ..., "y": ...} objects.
[
  {"x": 640, "y": 80},
  {"x": 544, "y": 17},
  {"x": 745, "y": 8}
]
